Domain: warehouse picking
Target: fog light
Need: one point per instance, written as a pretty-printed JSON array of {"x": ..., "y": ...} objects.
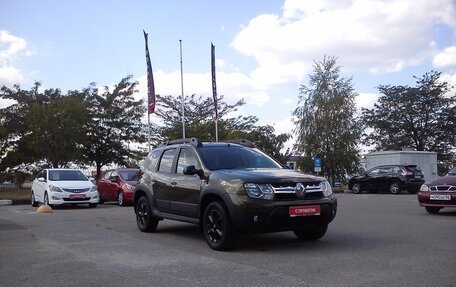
[
  {"x": 256, "y": 218},
  {"x": 56, "y": 198}
]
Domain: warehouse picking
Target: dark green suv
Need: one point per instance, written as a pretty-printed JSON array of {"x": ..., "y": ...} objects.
[{"x": 227, "y": 188}]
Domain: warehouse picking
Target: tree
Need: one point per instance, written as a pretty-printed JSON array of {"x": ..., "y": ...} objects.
[
  {"x": 326, "y": 125},
  {"x": 115, "y": 122},
  {"x": 199, "y": 122},
  {"x": 422, "y": 117},
  {"x": 45, "y": 127}
]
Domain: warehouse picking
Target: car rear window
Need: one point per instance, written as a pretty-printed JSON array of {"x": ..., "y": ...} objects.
[
  {"x": 412, "y": 168},
  {"x": 67, "y": 175},
  {"x": 235, "y": 157}
]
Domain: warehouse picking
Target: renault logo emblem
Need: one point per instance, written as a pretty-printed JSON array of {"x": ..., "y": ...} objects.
[{"x": 300, "y": 190}]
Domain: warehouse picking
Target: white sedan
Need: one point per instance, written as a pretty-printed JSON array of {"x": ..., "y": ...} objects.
[{"x": 63, "y": 186}]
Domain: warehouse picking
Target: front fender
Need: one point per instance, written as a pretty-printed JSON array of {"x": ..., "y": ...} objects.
[{"x": 142, "y": 189}]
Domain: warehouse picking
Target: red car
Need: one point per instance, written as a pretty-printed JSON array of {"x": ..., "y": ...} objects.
[
  {"x": 439, "y": 193},
  {"x": 118, "y": 185}
]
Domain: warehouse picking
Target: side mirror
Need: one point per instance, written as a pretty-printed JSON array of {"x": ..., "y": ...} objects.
[
  {"x": 192, "y": 170},
  {"x": 41, "y": 179},
  {"x": 114, "y": 179}
]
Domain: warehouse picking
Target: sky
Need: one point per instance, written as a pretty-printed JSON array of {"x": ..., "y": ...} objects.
[{"x": 265, "y": 50}]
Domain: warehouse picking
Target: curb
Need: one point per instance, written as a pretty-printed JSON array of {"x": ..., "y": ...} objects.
[{"x": 14, "y": 202}]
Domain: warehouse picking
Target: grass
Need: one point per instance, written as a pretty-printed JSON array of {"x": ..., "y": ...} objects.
[{"x": 14, "y": 193}]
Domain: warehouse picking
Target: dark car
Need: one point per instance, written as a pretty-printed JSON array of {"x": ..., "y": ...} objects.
[
  {"x": 392, "y": 178},
  {"x": 227, "y": 188},
  {"x": 118, "y": 185},
  {"x": 439, "y": 193}
]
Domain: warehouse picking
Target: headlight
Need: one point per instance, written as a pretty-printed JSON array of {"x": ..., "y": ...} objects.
[
  {"x": 129, "y": 186},
  {"x": 263, "y": 191},
  {"x": 94, "y": 188},
  {"x": 326, "y": 188},
  {"x": 54, "y": 188},
  {"x": 424, "y": 188}
]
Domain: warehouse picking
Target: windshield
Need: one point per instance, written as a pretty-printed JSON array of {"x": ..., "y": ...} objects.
[
  {"x": 452, "y": 171},
  {"x": 129, "y": 175},
  {"x": 235, "y": 157},
  {"x": 67, "y": 175}
]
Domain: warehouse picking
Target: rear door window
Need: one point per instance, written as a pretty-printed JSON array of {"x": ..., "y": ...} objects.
[{"x": 166, "y": 161}]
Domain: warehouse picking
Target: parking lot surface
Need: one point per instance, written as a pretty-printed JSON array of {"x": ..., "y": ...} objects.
[{"x": 375, "y": 240}]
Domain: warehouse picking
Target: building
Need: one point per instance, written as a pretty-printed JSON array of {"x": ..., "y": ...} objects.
[{"x": 425, "y": 160}]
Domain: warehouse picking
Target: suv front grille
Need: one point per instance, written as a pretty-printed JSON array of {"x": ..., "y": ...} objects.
[{"x": 287, "y": 191}]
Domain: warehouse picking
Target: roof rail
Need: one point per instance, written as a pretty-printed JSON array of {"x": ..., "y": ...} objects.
[
  {"x": 193, "y": 141},
  {"x": 242, "y": 142}
]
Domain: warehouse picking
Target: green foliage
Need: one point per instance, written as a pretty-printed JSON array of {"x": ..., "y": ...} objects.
[
  {"x": 85, "y": 127},
  {"x": 422, "y": 117},
  {"x": 199, "y": 122},
  {"x": 41, "y": 127},
  {"x": 326, "y": 125},
  {"x": 115, "y": 121}
]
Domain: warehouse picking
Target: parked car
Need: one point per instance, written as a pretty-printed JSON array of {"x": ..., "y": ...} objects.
[
  {"x": 63, "y": 186},
  {"x": 392, "y": 178},
  {"x": 227, "y": 188},
  {"x": 439, "y": 193},
  {"x": 118, "y": 185}
]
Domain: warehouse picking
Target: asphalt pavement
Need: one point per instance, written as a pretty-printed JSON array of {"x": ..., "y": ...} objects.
[{"x": 375, "y": 240}]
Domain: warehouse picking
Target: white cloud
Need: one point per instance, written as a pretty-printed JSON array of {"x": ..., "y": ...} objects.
[
  {"x": 376, "y": 35},
  {"x": 450, "y": 78},
  {"x": 11, "y": 49},
  {"x": 234, "y": 86},
  {"x": 446, "y": 58},
  {"x": 366, "y": 100}
]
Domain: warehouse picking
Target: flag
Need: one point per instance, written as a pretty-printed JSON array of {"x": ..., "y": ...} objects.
[
  {"x": 150, "y": 81},
  {"x": 214, "y": 85}
]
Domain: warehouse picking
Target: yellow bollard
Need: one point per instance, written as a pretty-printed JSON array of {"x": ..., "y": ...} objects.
[{"x": 44, "y": 209}]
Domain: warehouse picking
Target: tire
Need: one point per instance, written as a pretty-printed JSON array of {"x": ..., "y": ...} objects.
[
  {"x": 432, "y": 209},
  {"x": 121, "y": 198},
  {"x": 356, "y": 188},
  {"x": 33, "y": 201},
  {"x": 312, "y": 233},
  {"x": 218, "y": 229},
  {"x": 145, "y": 220},
  {"x": 92, "y": 205},
  {"x": 101, "y": 201},
  {"x": 395, "y": 187},
  {"x": 46, "y": 199}
]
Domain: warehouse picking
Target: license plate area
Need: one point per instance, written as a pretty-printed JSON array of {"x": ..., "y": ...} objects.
[
  {"x": 305, "y": 210},
  {"x": 440, "y": 197},
  {"x": 77, "y": 196}
]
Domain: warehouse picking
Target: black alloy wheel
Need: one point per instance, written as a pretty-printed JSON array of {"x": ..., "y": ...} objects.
[
  {"x": 311, "y": 233},
  {"x": 33, "y": 201},
  {"x": 121, "y": 198},
  {"x": 356, "y": 188},
  {"x": 217, "y": 227},
  {"x": 145, "y": 220},
  {"x": 395, "y": 187}
]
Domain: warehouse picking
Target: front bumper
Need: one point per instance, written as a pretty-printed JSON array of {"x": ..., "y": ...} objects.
[
  {"x": 61, "y": 198},
  {"x": 258, "y": 216},
  {"x": 424, "y": 199}
]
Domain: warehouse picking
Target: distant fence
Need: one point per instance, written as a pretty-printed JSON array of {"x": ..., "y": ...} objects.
[{"x": 11, "y": 185}]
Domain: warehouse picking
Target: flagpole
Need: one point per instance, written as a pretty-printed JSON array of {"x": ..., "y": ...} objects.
[
  {"x": 214, "y": 89},
  {"x": 182, "y": 91}
]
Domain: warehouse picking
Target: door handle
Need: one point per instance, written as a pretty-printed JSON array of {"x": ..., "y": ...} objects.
[{"x": 173, "y": 183}]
